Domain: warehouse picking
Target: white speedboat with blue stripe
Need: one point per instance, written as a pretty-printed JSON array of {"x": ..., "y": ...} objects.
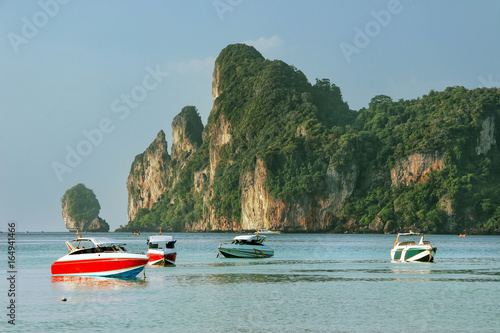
[{"x": 246, "y": 246}]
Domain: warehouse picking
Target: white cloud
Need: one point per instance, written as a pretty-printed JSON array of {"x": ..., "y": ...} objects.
[{"x": 267, "y": 46}]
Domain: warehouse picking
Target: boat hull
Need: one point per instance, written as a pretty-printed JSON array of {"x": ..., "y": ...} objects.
[
  {"x": 161, "y": 257},
  {"x": 246, "y": 251},
  {"x": 413, "y": 253},
  {"x": 119, "y": 265}
]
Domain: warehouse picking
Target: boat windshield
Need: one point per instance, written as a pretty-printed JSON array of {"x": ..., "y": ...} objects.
[
  {"x": 82, "y": 244},
  {"x": 162, "y": 245},
  {"x": 245, "y": 241},
  {"x": 410, "y": 239},
  {"x": 87, "y": 246}
]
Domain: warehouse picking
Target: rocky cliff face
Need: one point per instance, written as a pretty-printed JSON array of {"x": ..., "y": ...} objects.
[
  {"x": 215, "y": 82},
  {"x": 152, "y": 173},
  {"x": 187, "y": 131},
  {"x": 271, "y": 135},
  {"x": 416, "y": 167},
  {"x": 148, "y": 176},
  {"x": 220, "y": 136},
  {"x": 486, "y": 136},
  {"x": 95, "y": 224},
  {"x": 261, "y": 210},
  {"x": 255, "y": 200}
]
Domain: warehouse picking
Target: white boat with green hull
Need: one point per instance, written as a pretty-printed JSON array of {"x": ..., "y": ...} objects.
[
  {"x": 246, "y": 246},
  {"x": 412, "y": 246}
]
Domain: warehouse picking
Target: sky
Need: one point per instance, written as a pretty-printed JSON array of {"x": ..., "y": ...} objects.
[{"x": 85, "y": 86}]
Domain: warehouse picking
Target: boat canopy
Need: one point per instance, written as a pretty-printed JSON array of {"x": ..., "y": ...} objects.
[
  {"x": 160, "y": 239},
  {"x": 249, "y": 237},
  {"x": 99, "y": 241},
  {"x": 94, "y": 244},
  {"x": 411, "y": 234}
]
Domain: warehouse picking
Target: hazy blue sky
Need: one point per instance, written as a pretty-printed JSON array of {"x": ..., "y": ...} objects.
[{"x": 99, "y": 79}]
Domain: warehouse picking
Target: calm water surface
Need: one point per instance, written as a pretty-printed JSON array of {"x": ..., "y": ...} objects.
[{"x": 314, "y": 283}]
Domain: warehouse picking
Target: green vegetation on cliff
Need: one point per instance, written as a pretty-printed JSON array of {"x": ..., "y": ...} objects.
[
  {"x": 278, "y": 116},
  {"x": 181, "y": 204},
  {"x": 302, "y": 130},
  {"x": 81, "y": 210},
  {"x": 464, "y": 195},
  {"x": 82, "y": 204},
  {"x": 190, "y": 120}
]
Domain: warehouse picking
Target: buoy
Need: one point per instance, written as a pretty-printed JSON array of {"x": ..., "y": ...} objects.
[{"x": 64, "y": 299}]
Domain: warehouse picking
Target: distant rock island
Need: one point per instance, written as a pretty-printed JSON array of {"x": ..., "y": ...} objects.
[
  {"x": 279, "y": 152},
  {"x": 80, "y": 210}
]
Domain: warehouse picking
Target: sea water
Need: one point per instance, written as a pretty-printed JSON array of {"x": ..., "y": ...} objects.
[{"x": 314, "y": 283}]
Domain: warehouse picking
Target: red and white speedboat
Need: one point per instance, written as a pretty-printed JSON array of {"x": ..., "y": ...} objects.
[
  {"x": 99, "y": 256},
  {"x": 161, "y": 250}
]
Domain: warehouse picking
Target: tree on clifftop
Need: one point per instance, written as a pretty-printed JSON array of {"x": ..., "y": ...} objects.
[{"x": 81, "y": 203}]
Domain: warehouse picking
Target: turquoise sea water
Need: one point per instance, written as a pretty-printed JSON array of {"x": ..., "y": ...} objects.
[{"x": 314, "y": 283}]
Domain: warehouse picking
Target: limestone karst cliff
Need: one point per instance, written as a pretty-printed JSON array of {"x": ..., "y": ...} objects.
[
  {"x": 148, "y": 176},
  {"x": 487, "y": 135},
  {"x": 414, "y": 168},
  {"x": 80, "y": 210},
  {"x": 154, "y": 172},
  {"x": 278, "y": 152},
  {"x": 187, "y": 131}
]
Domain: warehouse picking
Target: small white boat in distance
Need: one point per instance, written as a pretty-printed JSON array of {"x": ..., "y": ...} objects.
[
  {"x": 161, "y": 250},
  {"x": 267, "y": 232},
  {"x": 246, "y": 246},
  {"x": 412, "y": 247}
]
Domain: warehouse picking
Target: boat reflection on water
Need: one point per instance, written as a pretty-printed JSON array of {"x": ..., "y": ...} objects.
[
  {"x": 419, "y": 275},
  {"x": 411, "y": 271},
  {"x": 101, "y": 283},
  {"x": 247, "y": 278},
  {"x": 410, "y": 279}
]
